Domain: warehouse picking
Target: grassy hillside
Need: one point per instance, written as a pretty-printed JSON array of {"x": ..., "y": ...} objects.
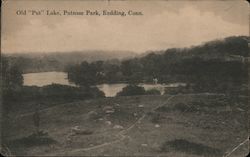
[
  {"x": 187, "y": 125},
  {"x": 79, "y": 121}
]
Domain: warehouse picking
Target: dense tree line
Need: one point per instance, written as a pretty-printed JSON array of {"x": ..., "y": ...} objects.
[
  {"x": 208, "y": 65},
  {"x": 93, "y": 73}
]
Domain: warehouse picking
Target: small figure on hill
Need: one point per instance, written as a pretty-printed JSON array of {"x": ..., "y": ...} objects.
[
  {"x": 36, "y": 121},
  {"x": 155, "y": 80}
]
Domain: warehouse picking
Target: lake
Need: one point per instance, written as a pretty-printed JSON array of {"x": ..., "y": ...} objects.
[{"x": 46, "y": 78}]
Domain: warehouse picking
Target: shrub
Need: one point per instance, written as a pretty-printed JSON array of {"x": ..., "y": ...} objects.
[
  {"x": 163, "y": 109},
  {"x": 95, "y": 92},
  {"x": 51, "y": 92},
  {"x": 68, "y": 92},
  {"x": 185, "y": 107},
  {"x": 157, "y": 118},
  {"x": 131, "y": 90},
  {"x": 153, "y": 92},
  {"x": 181, "y": 107},
  {"x": 33, "y": 140},
  {"x": 185, "y": 146}
]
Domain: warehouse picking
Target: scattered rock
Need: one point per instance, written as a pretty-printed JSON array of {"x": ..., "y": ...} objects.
[
  {"x": 108, "y": 108},
  {"x": 92, "y": 115},
  {"x": 76, "y": 130},
  {"x": 144, "y": 145},
  {"x": 84, "y": 132},
  {"x": 109, "y": 111},
  {"x": 157, "y": 125},
  {"x": 156, "y": 146},
  {"x": 118, "y": 127},
  {"x": 240, "y": 109},
  {"x": 108, "y": 122}
]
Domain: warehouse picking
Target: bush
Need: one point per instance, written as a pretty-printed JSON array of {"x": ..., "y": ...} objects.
[
  {"x": 163, "y": 109},
  {"x": 185, "y": 146},
  {"x": 185, "y": 107},
  {"x": 50, "y": 92},
  {"x": 33, "y": 140},
  {"x": 157, "y": 118},
  {"x": 56, "y": 91},
  {"x": 153, "y": 92},
  {"x": 131, "y": 90},
  {"x": 96, "y": 93}
]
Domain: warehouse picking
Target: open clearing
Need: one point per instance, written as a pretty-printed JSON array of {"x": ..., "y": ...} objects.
[{"x": 187, "y": 125}]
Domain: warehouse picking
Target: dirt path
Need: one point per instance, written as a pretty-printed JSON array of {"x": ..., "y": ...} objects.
[
  {"x": 122, "y": 133},
  {"x": 235, "y": 148}
]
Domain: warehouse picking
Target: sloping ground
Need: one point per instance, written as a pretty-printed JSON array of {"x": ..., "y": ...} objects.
[{"x": 182, "y": 125}]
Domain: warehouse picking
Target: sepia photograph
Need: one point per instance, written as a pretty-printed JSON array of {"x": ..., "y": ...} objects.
[{"x": 129, "y": 78}]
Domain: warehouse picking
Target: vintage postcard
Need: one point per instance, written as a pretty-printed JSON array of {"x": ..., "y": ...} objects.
[{"x": 125, "y": 78}]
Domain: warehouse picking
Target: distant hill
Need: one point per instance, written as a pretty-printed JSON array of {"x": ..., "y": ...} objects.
[
  {"x": 227, "y": 49},
  {"x": 57, "y": 61}
]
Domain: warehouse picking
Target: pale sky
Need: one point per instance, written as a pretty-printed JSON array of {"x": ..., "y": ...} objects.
[{"x": 163, "y": 25}]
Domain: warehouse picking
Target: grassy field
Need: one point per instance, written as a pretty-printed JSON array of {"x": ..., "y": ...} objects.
[{"x": 187, "y": 125}]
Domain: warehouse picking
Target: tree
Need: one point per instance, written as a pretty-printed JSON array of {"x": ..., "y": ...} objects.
[
  {"x": 11, "y": 80},
  {"x": 83, "y": 74},
  {"x": 11, "y": 74},
  {"x": 131, "y": 90}
]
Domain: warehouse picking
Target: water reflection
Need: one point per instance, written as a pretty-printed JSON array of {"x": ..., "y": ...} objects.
[{"x": 110, "y": 90}]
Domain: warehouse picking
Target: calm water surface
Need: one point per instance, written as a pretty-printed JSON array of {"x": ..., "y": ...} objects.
[
  {"x": 46, "y": 78},
  {"x": 110, "y": 90}
]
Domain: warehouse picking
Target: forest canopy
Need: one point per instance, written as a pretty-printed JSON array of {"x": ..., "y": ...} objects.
[{"x": 209, "y": 64}]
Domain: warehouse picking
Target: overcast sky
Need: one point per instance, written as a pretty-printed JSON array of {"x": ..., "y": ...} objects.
[{"x": 164, "y": 24}]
